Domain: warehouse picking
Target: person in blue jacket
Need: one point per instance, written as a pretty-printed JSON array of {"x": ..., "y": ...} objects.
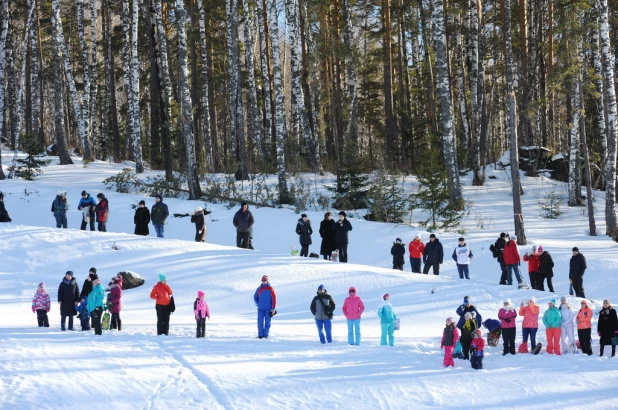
[
  {"x": 266, "y": 301},
  {"x": 467, "y": 307},
  {"x": 387, "y": 321},
  {"x": 95, "y": 305},
  {"x": 87, "y": 201}
]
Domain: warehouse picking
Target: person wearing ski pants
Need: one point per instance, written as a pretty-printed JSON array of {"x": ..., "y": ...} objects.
[
  {"x": 450, "y": 336},
  {"x": 387, "y": 321},
  {"x": 553, "y": 324},
  {"x": 530, "y": 324},
  {"x": 567, "y": 328},
  {"x": 507, "y": 316},
  {"x": 266, "y": 301},
  {"x": 353, "y": 308}
]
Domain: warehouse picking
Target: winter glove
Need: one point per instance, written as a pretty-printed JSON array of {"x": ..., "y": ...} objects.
[
  {"x": 599, "y": 333},
  {"x": 507, "y": 320},
  {"x": 33, "y": 310},
  {"x": 48, "y": 310},
  {"x": 441, "y": 346},
  {"x": 200, "y": 232}
]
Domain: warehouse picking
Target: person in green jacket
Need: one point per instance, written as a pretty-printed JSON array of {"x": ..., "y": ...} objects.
[
  {"x": 552, "y": 319},
  {"x": 387, "y": 321},
  {"x": 95, "y": 305}
]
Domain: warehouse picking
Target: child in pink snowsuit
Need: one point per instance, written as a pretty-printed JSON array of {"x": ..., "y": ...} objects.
[
  {"x": 201, "y": 311},
  {"x": 450, "y": 336}
]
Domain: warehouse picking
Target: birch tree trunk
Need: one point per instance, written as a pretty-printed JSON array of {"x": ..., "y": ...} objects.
[
  {"x": 475, "y": 96},
  {"x": 266, "y": 87},
  {"x": 85, "y": 104},
  {"x": 63, "y": 153},
  {"x": 598, "y": 87},
  {"x": 4, "y": 14},
  {"x": 350, "y": 135},
  {"x": 610, "y": 165},
  {"x": 185, "y": 115},
  {"x": 391, "y": 125},
  {"x": 461, "y": 95},
  {"x": 204, "y": 96},
  {"x": 137, "y": 124},
  {"x": 35, "y": 78},
  {"x": 589, "y": 193},
  {"x": 511, "y": 125},
  {"x": 105, "y": 143},
  {"x": 574, "y": 152},
  {"x": 94, "y": 85},
  {"x": 446, "y": 108},
  {"x": 126, "y": 71}
]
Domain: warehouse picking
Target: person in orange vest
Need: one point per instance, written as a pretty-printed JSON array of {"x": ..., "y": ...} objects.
[
  {"x": 416, "y": 249},
  {"x": 584, "y": 327},
  {"x": 162, "y": 294}
]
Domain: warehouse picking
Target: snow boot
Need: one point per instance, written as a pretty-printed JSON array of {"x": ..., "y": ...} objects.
[
  {"x": 523, "y": 285},
  {"x": 523, "y": 348},
  {"x": 537, "y": 348}
]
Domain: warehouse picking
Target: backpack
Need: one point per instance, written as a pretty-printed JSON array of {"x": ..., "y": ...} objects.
[{"x": 495, "y": 252}]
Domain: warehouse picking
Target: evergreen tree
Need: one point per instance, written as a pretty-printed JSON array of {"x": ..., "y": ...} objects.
[
  {"x": 386, "y": 200},
  {"x": 350, "y": 191},
  {"x": 29, "y": 167}
]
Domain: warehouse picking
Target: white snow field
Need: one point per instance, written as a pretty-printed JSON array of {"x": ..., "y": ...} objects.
[{"x": 231, "y": 368}]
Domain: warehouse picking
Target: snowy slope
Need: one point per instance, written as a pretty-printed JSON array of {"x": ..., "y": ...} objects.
[{"x": 231, "y": 369}]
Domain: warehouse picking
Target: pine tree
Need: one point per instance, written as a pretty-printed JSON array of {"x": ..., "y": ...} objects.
[
  {"x": 351, "y": 188},
  {"x": 29, "y": 167},
  {"x": 386, "y": 199}
]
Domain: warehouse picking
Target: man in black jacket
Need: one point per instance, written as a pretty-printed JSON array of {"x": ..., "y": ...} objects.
[
  {"x": 577, "y": 267},
  {"x": 68, "y": 298},
  {"x": 243, "y": 221},
  {"x": 342, "y": 227},
  {"x": 158, "y": 215},
  {"x": 433, "y": 255},
  {"x": 499, "y": 248}
]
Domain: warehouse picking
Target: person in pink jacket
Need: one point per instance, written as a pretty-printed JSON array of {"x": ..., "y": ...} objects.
[
  {"x": 201, "y": 311},
  {"x": 41, "y": 305},
  {"x": 507, "y": 316},
  {"x": 530, "y": 325},
  {"x": 353, "y": 308},
  {"x": 450, "y": 336},
  {"x": 115, "y": 296}
]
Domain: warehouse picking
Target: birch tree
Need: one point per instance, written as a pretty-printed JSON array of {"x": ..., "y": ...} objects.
[
  {"x": 574, "y": 151},
  {"x": 4, "y": 14},
  {"x": 267, "y": 91},
  {"x": 475, "y": 96},
  {"x": 185, "y": 101},
  {"x": 35, "y": 77},
  {"x": 85, "y": 104},
  {"x": 461, "y": 95},
  {"x": 126, "y": 70},
  {"x": 137, "y": 124},
  {"x": 94, "y": 85},
  {"x": 351, "y": 131},
  {"x": 205, "y": 105},
  {"x": 598, "y": 88},
  {"x": 446, "y": 107}
]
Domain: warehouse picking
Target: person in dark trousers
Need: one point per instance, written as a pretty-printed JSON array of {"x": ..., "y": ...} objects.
[
  {"x": 462, "y": 255},
  {"x": 577, "y": 267},
  {"x": 342, "y": 227},
  {"x": 115, "y": 300},
  {"x": 199, "y": 220},
  {"x": 60, "y": 206},
  {"x": 201, "y": 312},
  {"x": 327, "y": 233},
  {"x": 95, "y": 305},
  {"x": 304, "y": 231},
  {"x": 243, "y": 221},
  {"x": 322, "y": 308},
  {"x": 607, "y": 327},
  {"x": 546, "y": 270},
  {"x": 68, "y": 299},
  {"x": 158, "y": 215},
  {"x": 162, "y": 294},
  {"x": 265, "y": 299},
  {"x": 4, "y": 215},
  {"x": 398, "y": 251},
  {"x": 433, "y": 255},
  {"x": 41, "y": 305},
  {"x": 476, "y": 350},
  {"x": 142, "y": 219},
  {"x": 102, "y": 211},
  {"x": 86, "y": 205},
  {"x": 533, "y": 266},
  {"x": 87, "y": 286},
  {"x": 499, "y": 250},
  {"x": 467, "y": 307},
  {"x": 508, "y": 316}
]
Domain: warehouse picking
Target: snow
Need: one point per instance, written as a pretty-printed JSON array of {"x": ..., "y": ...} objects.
[{"x": 231, "y": 369}]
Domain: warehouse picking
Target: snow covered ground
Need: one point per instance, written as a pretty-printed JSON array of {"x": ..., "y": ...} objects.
[{"x": 231, "y": 369}]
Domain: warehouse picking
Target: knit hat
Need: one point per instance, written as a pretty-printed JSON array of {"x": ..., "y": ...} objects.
[
  {"x": 352, "y": 289},
  {"x": 93, "y": 276},
  {"x": 607, "y": 301},
  {"x": 386, "y": 295},
  {"x": 479, "y": 332},
  {"x": 514, "y": 238},
  {"x": 342, "y": 213},
  {"x": 159, "y": 196},
  {"x": 449, "y": 320},
  {"x": 468, "y": 315},
  {"x": 84, "y": 193},
  {"x": 265, "y": 278},
  {"x": 503, "y": 234},
  {"x": 200, "y": 294},
  {"x": 96, "y": 282},
  {"x": 142, "y": 202},
  {"x": 69, "y": 272},
  {"x": 563, "y": 299},
  {"x": 60, "y": 193},
  {"x": 42, "y": 285},
  {"x": 466, "y": 300},
  {"x": 586, "y": 301},
  {"x": 532, "y": 299},
  {"x": 418, "y": 235},
  {"x": 100, "y": 195},
  {"x": 198, "y": 209},
  {"x": 535, "y": 248},
  {"x": 461, "y": 239},
  {"x": 303, "y": 216},
  {"x": 540, "y": 249},
  {"x": 398, "y": 240},
  {"x": 553, "y": 302},
  {"x": 576, "y": 249},
  {"x": 507, "y": 302},
  {"x": 93, "y": 270},
  {"x": 432, "y": 235},
  {"x": 162, "y": 277},
  {"x": 321, "y": 287}
]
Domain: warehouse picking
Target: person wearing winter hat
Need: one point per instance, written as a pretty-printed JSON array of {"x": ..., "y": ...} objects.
[
  {"x": 553, "y": 323},
  {"x": 41, "y": 305},
  {"x": 398, "y": 250},
  {"x": 477, "y": 347},
  {"x": 162, "y": 294},
  {"x": 322, "y": 308},
  {"x": 577, "y": 267},
  {"x": 450, "y": 336},
  {"x": 584, "y": 327},
  {"x": 115, "y": 299},
  {"x": 201, "y": 312},
  {"x": 60, "y": 206},
  {"x": 158, "y": 215},
  {"x": 567, "y": 328},
  {"x": 607, "y": 327},
  {"x": 533, "y": 266},
  {"x": 433, "y": 255},
  {"x": 416, "y": 249},
  {"x": 265, "y": 299},
  {"x": 342, "y": 229},
  {"x": 68, "y": 299},
  {"x": 86, "y": 205},
  {"x": 512, "y": 260},
  {"x": 497, "y": 250},
  {"x": 96, "y": 305},
  {"x": 530, "y": 324},
  {"x": 243, "y": 222},
  {"x": 199, "y": 219},
  {"x": 141, "y": 219},
  {"x": 546, "y": 269},
  {"x": 467, "y": 329},
  {"x": 304, "y": 232},
  {"x": 387, "y": 321},
  {"x": 462, "y": 255},
  {"x": 508, "y": 316},
  {"x": 102, "y": 211},
  {"x": 353, "y": 308},
  {"x": 4, "y": 215},
  {"x": 327, "y": 233},
  {"x": 466, "y": 307}
]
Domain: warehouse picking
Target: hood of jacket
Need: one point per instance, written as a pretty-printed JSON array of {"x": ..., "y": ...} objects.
[{"x": 68, "y": 282}]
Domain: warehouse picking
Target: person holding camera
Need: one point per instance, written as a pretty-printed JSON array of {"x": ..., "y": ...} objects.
[
  {"x": 534, "y": 263},
  {"x": 530, "y": 324},
  {"x": 322, "y": 308},
  {"x": 265, "y": 299}
]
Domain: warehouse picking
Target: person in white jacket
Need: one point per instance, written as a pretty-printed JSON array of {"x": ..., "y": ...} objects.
[
  {"x": 462, "y": 255},
  {"x": 567, "y": 330}
]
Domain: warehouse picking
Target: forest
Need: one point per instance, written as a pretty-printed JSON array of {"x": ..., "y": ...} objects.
[{"x": 195, "y": 87}]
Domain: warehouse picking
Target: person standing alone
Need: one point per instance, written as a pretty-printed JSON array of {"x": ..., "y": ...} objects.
[
  {"x": 243, "y": 221},
  {"x": 158, "y": 215},
  {"x": 304, "y": 231},
  {"x": 102, "y": 211},
  {"x": 433, "y": 255},
  {"x": 342, "y": 227},
  {"x": 462, "y": 255},
  {"x": 265, "y": 299},
  {"x": 577, "y": 267}
]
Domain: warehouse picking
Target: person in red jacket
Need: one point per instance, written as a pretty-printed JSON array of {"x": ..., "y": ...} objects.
[
  {"x": 162, "y": 294},
  {"x": 512, "y": 261},
  {"x": 102, "y": 210},
  {"x": 476, "y": 350},
  {"x": 416, "y": 249},
  {"x": 534, "y": 263}
]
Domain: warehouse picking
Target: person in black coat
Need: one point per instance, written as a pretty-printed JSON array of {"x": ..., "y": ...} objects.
[
  {"x": 87, "y": 286},
  {"x": 243, "y": 221},
  {"x": 607, "y": 327},
  {"x": 398, "y": 250},
  {"x": 546, "y": 269},
  {"x": 499, "y": 247},
  {"x": 4, "y": 215},
  {"x": 304, "y": 231},
  {"x": 433, "y": 255},
  {"x": 200, "y": 224},
  {"x": 342, "y": 227},
  {"x": 68, "y": 298},
  {"x": 142, "y": 219},
  {"x": 327, "y": 233},
  {"x": 577, "y": 267}
]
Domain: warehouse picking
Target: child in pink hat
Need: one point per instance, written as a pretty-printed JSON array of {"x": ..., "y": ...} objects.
[
  {"x": 201, "y": 311},
  {"x": 450, "y": 336}
]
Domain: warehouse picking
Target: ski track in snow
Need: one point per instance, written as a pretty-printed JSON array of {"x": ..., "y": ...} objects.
[{"x": 231, "y": 369}]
